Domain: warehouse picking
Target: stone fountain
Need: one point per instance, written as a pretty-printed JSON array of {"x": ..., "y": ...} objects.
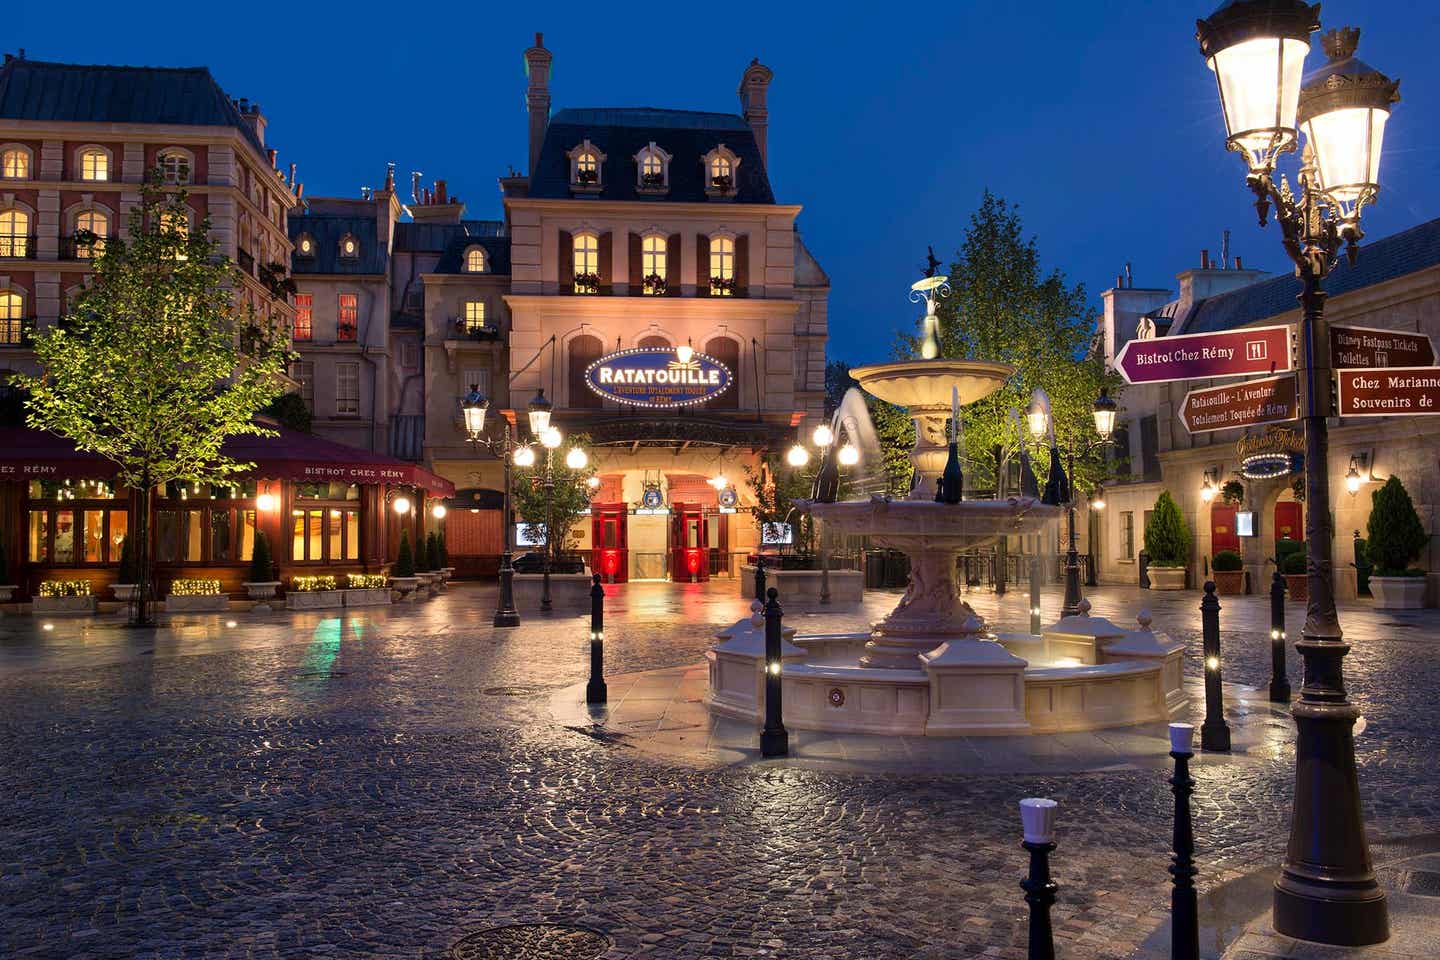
[{"x": 931, "y": 666}]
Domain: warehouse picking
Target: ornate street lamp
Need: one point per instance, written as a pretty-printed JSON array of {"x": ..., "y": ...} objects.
[
  {"x": 474, "y": 407},
  {"x": 1327, "y": 889},
  {"x": 539, "y": 412},
  {"x": 1103, "y": 410}
]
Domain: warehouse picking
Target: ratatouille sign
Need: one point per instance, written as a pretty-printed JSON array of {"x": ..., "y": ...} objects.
[{"x": 657, "y": 377}]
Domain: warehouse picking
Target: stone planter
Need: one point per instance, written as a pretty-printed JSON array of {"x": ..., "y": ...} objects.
[
  {"x": 64, "y": 605},
  {"x": 847, "y": 587},
  {"x": 125, "y": 592},
  {"x": 198, "y": 603},
  {"x": 262, "y": 592},
  {"x": 7, "y": 592},
  {"x": 407, "y": 587},
  {"x": 1167, "y": 578},
  {"x": 1398, "y": 593},
  {"x": 1229, "y": 583},
  {"x": 1297, "y": 586},
  {"x": 367, "y": 597},
  {"x": 314, "y": 599},
  {"x": 569, "y": 592}
]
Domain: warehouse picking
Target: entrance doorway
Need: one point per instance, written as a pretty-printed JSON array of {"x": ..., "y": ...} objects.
[
  {"x": 689, "y": 544},
  {"x": 609, "y": 550},
  {"x": 1289, "y": 520},
  {"x": 1222, "y": 529}
]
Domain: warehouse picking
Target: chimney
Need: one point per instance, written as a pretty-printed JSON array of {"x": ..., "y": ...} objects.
[
  {"x": 415, "y": 176},
  {"x": 1238, "y": 264},
  {"x": 292, "y": 175},
  {"x": 273, "y": 156},
  {"x": 754, "y": 85},
  {"x": 537, "y": 96},
  {"x": 1129, "y": 275},
  {"x": 1225, "y": 252},
  {"x": 390, "y": 177},
  {"x": 254, "y": 119},
  {"x": 1204, "y": 259},
  {"x": 442, "y": 194}
]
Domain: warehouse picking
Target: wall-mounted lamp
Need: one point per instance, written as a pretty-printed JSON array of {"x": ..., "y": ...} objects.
[
  {"x": 1358, "y": 473},
  {"x": 1207, "y": 486}
]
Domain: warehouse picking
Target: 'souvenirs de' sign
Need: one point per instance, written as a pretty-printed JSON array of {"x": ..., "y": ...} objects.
[{"x": 656, "y": 377}]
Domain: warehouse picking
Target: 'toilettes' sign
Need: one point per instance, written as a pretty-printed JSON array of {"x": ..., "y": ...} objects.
[{"x": 656, "y": 377}]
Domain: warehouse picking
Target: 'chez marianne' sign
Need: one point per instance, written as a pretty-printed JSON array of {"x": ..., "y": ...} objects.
[{"x": 657, "y": 377}]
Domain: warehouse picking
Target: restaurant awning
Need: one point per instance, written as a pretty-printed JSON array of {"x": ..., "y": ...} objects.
[{"x": 27, "y": 454}]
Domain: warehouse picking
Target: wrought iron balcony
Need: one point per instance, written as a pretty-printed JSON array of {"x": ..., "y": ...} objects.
[
  {"x": 462, "y": 329},
  {"x": 17, "y": 333},
  {"x": 15, "y": 246}
]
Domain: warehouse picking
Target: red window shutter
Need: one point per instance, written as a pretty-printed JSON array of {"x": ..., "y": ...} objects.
[
  {"x": 672, "y": 263},
  {"x": 637, "y": 277},
  {"x": 742, "y": 266},
  {"x": 567, "y": 262},
  {"x": 702, "y": 265},
  {"x": 607, "y": 267}
]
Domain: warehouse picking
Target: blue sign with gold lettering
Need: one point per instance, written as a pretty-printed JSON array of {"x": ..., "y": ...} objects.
[{"x": 658, "y": 377}]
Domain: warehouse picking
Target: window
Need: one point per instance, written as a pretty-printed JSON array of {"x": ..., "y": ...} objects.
[
  {"x": 174, "y": 166},
  {"x": 305, "y": 245},
  {"x": 14, "y": 234},
  {"x": 587, "y": 168},
  {"x": 94, "y": 164},
  {"x": 474, "y": 318},
  {"x": 719, "y": 167},
  {"x": 348, "y": 319},
  {"x": 653, "y": 166},
  {"x": 349, "y": 247},
  {"x": 1127, "y": 535},
  {"x": 12, "y": 317},
  {"x": 727, "y": 351},
  {"x": 409, "y": 354},
  {"x": 303, "y": 373},
  {"x": 325, "y": 524},
  {"x": 653, "y": 264},
  {"x": 475, "y": 260},
  {"x": 94, "y": 222},
  {"x": 73, "y": 523},
  {"x": 15, "y": 163},
  {"x": 304, "y": 315},
  {"x": 477, "y": 376},
  {"x": 722, "y": 266},
  {"x": 583, "y": 351},
  {"x": 587, "y": 263},
  {"x": 347, "y": 389}
]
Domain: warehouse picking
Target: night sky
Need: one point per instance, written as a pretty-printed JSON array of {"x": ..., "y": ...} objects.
[{"x": 886, "y": 123}]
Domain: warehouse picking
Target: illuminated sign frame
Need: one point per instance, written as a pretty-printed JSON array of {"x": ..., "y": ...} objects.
[{"x": 699, "y": 364}]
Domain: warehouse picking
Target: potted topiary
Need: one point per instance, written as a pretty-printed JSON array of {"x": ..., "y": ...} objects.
[
  {"x": 1229, "y": 569},
  {"x": 262, "y": 583},
  {"x": 445, "y": 567},
  {"x": 432, "y": 560},
  {"x": 1290, "y": 557},
  {"x": 7, "y": 590},
  {"x": 1167, "y": 541},
  {"x": 402, "y": 574},
  {"x": 1396, "y": 538},
  {"x": 124, "y": 585}
]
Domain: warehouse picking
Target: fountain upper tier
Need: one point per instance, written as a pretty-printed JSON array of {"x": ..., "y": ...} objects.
[{"x": 924, "y": 386}]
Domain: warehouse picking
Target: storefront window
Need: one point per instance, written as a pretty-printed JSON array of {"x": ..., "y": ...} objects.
[
  {"x": 39, "y": 539},
  {"x": 334, "y": 532},
  {"x": 119, "y": 527},
  {"x": 65, "y": 536},
  {"x": 325, "y": 535},
  {"x": 247, "y": 534},
  {"x": 221, "y": 546},
  {"x": 94, "y": 528},
  {"x": 352, "y": 534}
]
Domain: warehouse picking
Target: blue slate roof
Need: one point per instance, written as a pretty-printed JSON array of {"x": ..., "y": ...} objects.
[
  {"x": 497, "y": 253},
  {"x": 621, "y": 132},
  {"x": 1385, "y": 259},
  {"x": 82, "y": 93},
  {"x": 327, "y": 231},
  {"x": 423, "y": 237}
]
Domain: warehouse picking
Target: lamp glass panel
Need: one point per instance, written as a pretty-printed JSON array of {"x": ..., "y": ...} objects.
[
  {"x": 1248, "y": 74},
  {"x": 1347, "y": 149}
]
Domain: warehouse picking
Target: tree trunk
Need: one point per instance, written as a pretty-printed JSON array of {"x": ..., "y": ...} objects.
[{"x": 140, "y": 610}]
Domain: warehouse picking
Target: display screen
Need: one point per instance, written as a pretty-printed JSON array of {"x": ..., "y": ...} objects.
[
  {"x": 1245, "y": 523},
  {"x": 529, "y": 535},
  {"x": 777, "y": 534}
]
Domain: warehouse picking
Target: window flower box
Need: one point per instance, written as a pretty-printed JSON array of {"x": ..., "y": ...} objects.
[
  {"x": 366, "y": 590},
  {"x": 64, "y": 597},
  {"x": 722, "y": 286},
  {"x": 656, "y": 285},
  {"x": 652, "y": 180},
  {"x": 587, "y": 283},
  {"x": 722, "y": 183},
  {"x": 196, "y": 596},
  {"x": 587, "y": 178},
  {"x": 313, "y": 593}
]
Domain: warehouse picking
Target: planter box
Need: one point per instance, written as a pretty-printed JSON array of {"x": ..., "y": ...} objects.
[
  {"x": 1229, "y": 583},
  {"x": 125, "y": 592},
  {"x": 569, "y": 592},
  {"x": 1167, "y": 578},
  {"x": 208, "y": 603},
  {"x": 1398, "y": 593},
  {"x": 64, "y": 605},
  {"x": 262, "y": 592},
  {"x": 407, "y": 587},
  {"x": 313, "y": 599},
  {"x": 1297, "y": 585},
  {"x": 367, "y": 597}
]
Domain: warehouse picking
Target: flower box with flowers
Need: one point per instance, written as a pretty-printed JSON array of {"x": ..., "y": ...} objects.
[
  {"x": 587, "y": 283},
  {"x": 313, "y": 593},
  {"x": 722, "y": 183},
  {"x": 196, "y": 596},
  {"x": 366, "y": 590},
  {"x": 652, "y": 181},
  {"x": 587, "y": 179},
  {"x": 722, "y": 286},
  {"x": 64, "y": 596},
  {"x": 656, "y": 285}
]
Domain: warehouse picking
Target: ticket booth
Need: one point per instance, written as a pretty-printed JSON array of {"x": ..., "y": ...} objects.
[
  {"x": 610, "y": 552},
  {"x": 689, "y": 544}
]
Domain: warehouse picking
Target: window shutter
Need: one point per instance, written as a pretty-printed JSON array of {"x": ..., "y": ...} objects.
[
  {"x": 637, "y": 276},
  {"x": 672, "y": 263},
  {"x": 567, "y": 262},
  {"x": 742, "y": 266},
  {"x": 702, "y": 265},
  {"x": 607, "y": 268}
]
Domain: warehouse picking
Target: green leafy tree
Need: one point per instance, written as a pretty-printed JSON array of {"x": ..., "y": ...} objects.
[
  {"x": 157, "y": 364},
  {"x": 1003, "y": 306},
  {"x": 289, "y": 410},
  {"x": 569, "y": 498},
  {"x": 262, "y": 567},
  {"x": 404, "y": 558},
  {"x": 1167, "y": 538},
  {"x": 776, "y": 486},
  {"x": 1395, "y": 534}
]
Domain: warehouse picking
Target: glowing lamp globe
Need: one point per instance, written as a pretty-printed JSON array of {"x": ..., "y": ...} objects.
[
  {"x": 539, "y": 413},
  {"x": 576, "y": 459},
  {"x": 1037, "y": 415},
  {"x": 402, "y": 505},
  {"x": 474, "y": 407},
  {"x": 797, "y": 456},
  {"x": 593, "y": 482},
  {"x": 684, "y": 353},
  {"x": 823, "y": 436},
  {"x": 1103, "y": 411},
  {"x": 265, "y": 502},
  {"x": 438, "y": 511},
  {"x": 849, "y": 455},
  {"x": 525, "y": 456}
]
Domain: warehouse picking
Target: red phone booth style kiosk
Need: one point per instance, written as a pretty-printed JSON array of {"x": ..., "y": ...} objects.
[
  {"x": 689, "y": 544},
  {"x": 610, "y": 551}
]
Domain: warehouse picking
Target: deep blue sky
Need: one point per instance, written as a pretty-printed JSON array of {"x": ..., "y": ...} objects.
[{"x": 886, "y": 122}]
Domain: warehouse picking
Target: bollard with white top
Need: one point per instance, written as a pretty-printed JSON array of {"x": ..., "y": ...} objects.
[{"x": 1037, "y": 816}]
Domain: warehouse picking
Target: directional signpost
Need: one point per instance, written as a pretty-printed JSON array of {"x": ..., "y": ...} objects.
[
  {"x": 1389, "y": 392},
  {"x": 1368, "y": 347},
  {"x": 1246, "y": 404},
  {"x": 1228, "y": 353}
]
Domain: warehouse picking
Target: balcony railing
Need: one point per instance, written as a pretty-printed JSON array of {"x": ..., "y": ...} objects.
[
  {"x": 17, "y": 333},
  {"x": 462, "y": 329},
  {"x": 81, "y": 247},
  {"x": 17, "y": 246}
]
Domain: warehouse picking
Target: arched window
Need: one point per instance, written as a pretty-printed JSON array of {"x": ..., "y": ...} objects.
[
  {"x": 92, "y": 221},
  {"x": 719, "y": 167},
  {"x": 12, "y": 317},
  {"x": 475, "y": 260},
  {"x": 587, "y": 263},
  {"x": 583, "y": 351},
  {"x": 722, "y": 266},
  {"x": 305, "y": 245},
  {"x": 587, "y": 168},
  {"x": 727, "y": 351},
  {"x": 653, "y": 264},
  {"x": 14, "y": 234},
  {"x": 651, "y": 165},
  {"x": 175, "y": 166},
  {"x": 14, "y": 163},
  {"x": 654, "y": 342},
  {"x": 349, "y": 247},
  {"x": 94, "y": 164}
]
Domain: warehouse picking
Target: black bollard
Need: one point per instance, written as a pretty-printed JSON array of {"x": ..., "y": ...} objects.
[
  {"x": 760, "y": 578},
  {"x": 595, "y": 691},
  {"x": 774, "y": 741},
  {"x": 1184, "y": 909},
  {"x": 1038, "y": 817},
  {"x": 1214, "y": 732},
  {"x": 1279, "y": 683}
]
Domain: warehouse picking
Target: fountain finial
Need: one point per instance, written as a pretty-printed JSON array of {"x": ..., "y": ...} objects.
[{"x": 929, "y": 290}]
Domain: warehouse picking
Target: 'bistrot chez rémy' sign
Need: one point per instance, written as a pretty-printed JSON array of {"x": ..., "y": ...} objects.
[{"x": 656, "y": 377}]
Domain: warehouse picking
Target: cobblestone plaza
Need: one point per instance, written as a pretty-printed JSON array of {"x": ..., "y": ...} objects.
[{"x": 381, "y": 784}]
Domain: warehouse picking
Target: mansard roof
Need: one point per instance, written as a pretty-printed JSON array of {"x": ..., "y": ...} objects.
[{"x": 327, "y": 231}]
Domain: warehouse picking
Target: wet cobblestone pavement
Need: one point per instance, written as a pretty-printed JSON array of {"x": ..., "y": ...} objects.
[{"x": 383, "y": 783}]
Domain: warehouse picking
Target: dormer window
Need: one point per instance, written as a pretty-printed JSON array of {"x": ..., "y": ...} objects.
[
  {"x": 652, "y": 167},
  {"x": 305, "y": 245},
  {"x": 349, "y": 247},
  {"x": 475, "y": 260},
  {"x": 587, "y": 165},
  {"x": 720, "y": 167}
]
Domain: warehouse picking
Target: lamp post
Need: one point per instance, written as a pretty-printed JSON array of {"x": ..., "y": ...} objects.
[
  {"x": 827, "y": 480},
  {"x": 1060, "y": 487},
  {"x": 474, "y": 406},
  {"x": 1327, "y": 889}
]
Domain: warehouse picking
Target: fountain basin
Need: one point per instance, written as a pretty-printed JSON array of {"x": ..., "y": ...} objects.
[{"x": 923, "y": 386}]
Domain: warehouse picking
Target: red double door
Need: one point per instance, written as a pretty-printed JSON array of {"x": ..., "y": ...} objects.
[
  {"x": 689, "y": 543},
  {"x": 609, "y": 547}
]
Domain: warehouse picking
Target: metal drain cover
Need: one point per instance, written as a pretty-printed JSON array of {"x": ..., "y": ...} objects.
[
  {"x": 1422, "y": 883},
  {"x": 514, "y": 691},
  {"x": 532, "y": 941}
]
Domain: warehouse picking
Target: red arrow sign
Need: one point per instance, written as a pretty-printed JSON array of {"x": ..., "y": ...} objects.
[
  {"x": 1230, "y": 353},
  {"x": 1362, "y": 347},
  {"x": 1389, "y": 392},
  {"x": 1244, "y": 404}
]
